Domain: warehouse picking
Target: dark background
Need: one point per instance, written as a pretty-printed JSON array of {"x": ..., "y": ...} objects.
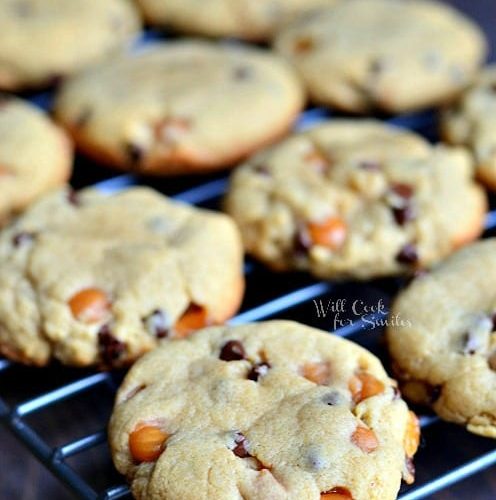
[{"x": 22, "y": 477}]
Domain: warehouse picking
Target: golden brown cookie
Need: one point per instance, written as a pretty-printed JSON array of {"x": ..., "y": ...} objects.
[
  {"x": 471, "y": 122},
  {"x": 44, "y": 40},
  {"x": 275, "y": 410},
  {"x": 180, "y": 107},
  {"x": 35, "y": 155},
  {"x": 445, "y": 348},
  {"x": 356, "y": 199},
  {"x": 390, "y": 55},
  {"x": 92, "y": 279}
]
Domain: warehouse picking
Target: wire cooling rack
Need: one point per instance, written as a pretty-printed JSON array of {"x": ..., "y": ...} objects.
[{"x": 60, "y": 414}]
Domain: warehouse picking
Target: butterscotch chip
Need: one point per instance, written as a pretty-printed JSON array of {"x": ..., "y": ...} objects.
[
  {"x": 281, "y": 437},
  {"x": 146, "y": 443},
  {"x": 364, "y": 55},
  {"x": 445, "y": 343},
  {"x": 387, "y": 203},
  {"x": 181, "y": 107},
  {"x": 102, "y": 281}
]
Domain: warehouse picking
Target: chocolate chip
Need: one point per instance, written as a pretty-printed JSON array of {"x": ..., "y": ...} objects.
[
  {"x": 377, "y": 66},
  {"x": 55, "y": 80},
  {"x": 332, "y": 398},
  {"x": 232, "y": 350},
  {"x": 22, "y": 238},
  {"x": 404, "y": 215},
  {"x": 408, "y": 255},
  {"x": 492, "y": 361},
  {"x": 240, "y": 449},
  {"x": 258, "y": 370},
  {"x": 83, "y": 118},
  {"x": 410, "y": 469},
  {"x": 372, "y": 166},
  {"x": 110, "y": 348},
  {"x": 73, "y": 198},
  {"x": 156, "y": 324},
  {"x": 493, "y": 318},
  {"x": 434, "y": 392},
  {"x": 302, "y": 242},
  {"x": 135, "y": 153},
  {"x": 262, "y": 170},
  {"x": 242, "y": 73}
]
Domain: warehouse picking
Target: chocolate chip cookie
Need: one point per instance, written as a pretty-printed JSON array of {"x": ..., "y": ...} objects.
[
  {"x": 45, "y": 40},
  {"x": 445, "y": 350},
  {"x": 256, "y": 21},
  {"x": 272, "y": 410},
  {"x": 181, "y": 106},
  {"x": 35, "y": 155},
  {"x": 471, "y": 122},
  {"x": 366, "y": 55},
  {"x": 92, "y": 279},
  {"x": 356, "y": 199}
]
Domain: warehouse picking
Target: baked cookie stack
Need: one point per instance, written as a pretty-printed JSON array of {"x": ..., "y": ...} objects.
[{"x": 272, "y": 410}]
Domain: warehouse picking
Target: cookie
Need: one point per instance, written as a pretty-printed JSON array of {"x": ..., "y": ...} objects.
[
  {"x": 356, "y": 199},
  {"x": 181, "y": 106},
  {"x": 366, "y": 55},
  {"x": 44, "y": 40},
  {"x": 273, "y": 410},
  {"x": 35, "y": 155},
  {"x": 445, "y": 347},
  {"x": 255, "y": 21},
  {"x": 92, "y": 279},
  {"x": 472, "y": 122}
]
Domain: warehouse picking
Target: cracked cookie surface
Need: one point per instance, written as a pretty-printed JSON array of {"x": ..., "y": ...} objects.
[
  {"x": 447, "y": 355},
  {"x": 228, "y": 18},
  {"x": 35, "y": 155},
  {"x": 356, "y": 199},
  {"x": 92, "y": 279},
  {"x": 181, "y": 106},
  {"x": 272, "y": 410},
  {"x": 44, "y": 40},
  {"x": 471, "y": 122},
  {"x": 364, "y": 55}
]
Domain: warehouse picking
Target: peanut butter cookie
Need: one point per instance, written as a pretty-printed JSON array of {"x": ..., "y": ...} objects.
[
  {"x": 92, "y": 279},
  {"x": 356, "y": 199},
  {"x": 35, "y": 155},
  {"x": 181, "y": 106},
  {"x": 272, "y": 410},
  {"x": 44, "y": 40},
  {"x": 445, "y": 352},
  {"x": 471, "y": 122},
  {"x": 395, "y": 56}
]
